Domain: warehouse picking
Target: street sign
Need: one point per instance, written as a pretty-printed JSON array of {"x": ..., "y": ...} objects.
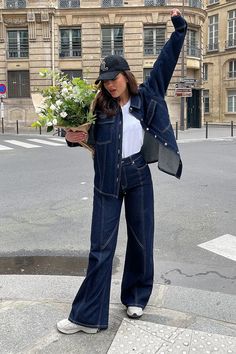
[
  {"x": 188, "y": 79},
  {"x": 183, "y": 92},
  {"x": 2, "y": 89}
]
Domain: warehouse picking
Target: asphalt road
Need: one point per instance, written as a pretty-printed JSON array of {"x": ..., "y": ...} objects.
[{"x": 46, "y": 205}]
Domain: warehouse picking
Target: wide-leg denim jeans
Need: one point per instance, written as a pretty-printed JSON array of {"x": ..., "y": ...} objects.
[{"x": 91, "y": 304}]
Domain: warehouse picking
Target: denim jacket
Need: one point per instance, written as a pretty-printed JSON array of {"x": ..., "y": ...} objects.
[{"x": 150, "y": 108}]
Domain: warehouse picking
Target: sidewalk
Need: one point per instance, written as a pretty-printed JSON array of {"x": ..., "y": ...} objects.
[{"x": 177, "y": 320}]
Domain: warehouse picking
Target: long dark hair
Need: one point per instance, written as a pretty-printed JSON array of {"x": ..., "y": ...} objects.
[{"x": 104, "y": 102}]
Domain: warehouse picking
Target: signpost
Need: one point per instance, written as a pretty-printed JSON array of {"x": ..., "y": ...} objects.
[
  {"x": 183, "y": 92},
  {"x": 183, "y": 89},
  {"x": 3, "y": 90}
]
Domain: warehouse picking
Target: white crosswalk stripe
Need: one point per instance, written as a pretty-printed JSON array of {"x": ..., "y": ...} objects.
[
  {"x": 2, "y": 147},
  {"x": 32, "y": 143},
  {"x": 45, "y": 142},
  {"x": 59, "y": 139},
  {"x": 22, "y": 144}
]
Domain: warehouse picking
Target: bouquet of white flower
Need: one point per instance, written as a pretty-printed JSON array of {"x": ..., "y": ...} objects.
[{"x": 67, "y": 104}]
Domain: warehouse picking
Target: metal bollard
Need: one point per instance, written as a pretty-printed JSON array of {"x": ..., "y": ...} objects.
[
  {"x": 40, "y": 130},
  {"x": 2, "y": 125},
  {"x": 176, "y": 131},
  {"x": 206, "y": 130},
  {"x": 232, "y": 128},
  {"x": 17, "y": 127}
]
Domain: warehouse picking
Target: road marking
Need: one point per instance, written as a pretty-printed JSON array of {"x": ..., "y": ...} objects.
[
  {"x": 40, "y": 141},
  {"x": 224, "y": 246},
  {"x": 2, "y": 147},
  {"x": 58, "y": 139},
  {"x": 22, "y": 144}
]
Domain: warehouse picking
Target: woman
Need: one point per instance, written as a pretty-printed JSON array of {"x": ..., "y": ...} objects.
[{"x": 132, "y": 129}]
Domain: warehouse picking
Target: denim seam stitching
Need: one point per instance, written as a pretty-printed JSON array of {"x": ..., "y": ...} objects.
[
  {"x": 135, "y": 236},
  {"x": 111, "y": 237}
]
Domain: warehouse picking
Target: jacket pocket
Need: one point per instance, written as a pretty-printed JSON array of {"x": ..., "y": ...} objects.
[
  {"x": 104, "y": 127},
  {"x": 139, "y": 163}
]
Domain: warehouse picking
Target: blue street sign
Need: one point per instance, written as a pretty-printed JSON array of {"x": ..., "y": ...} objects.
[{"x": 2, "y": 88}]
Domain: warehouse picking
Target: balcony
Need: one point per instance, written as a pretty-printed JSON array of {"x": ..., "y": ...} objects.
[{"x": 180, "y": 3}]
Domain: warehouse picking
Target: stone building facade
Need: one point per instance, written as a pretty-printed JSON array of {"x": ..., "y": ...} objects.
[
  {"x": 73, "y": 35},
  {"x": 219, "y": 69}
]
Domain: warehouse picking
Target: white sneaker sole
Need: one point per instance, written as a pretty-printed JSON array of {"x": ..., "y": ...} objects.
[
  {"x": 133, "y": 314},
  {"x": 78, "y": 328}
]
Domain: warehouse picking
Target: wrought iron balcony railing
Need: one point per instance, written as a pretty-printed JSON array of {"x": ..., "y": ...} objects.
[
  {"x": 211, "y": 47},
  {"x": 231, "y": 43},
  {"x": 107, "y": 50},
  {"x": 112, "y": 3},
  {"x": 193, "y": 51},
  {"x": 68, "y": 4},
  {"x": 67, "y": 51},
  {"x": 15, "y": 52},
  {"x": 180, "y": 3},
  {"x": 15, "y": 4}
]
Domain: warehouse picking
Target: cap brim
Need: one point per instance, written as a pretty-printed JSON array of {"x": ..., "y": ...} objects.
[{"x": 107, "y": 76}]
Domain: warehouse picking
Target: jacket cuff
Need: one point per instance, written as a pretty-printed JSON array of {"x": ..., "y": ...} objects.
[
  {"x": 72, "y": 144},
  {"x": 179, "y": 23}
]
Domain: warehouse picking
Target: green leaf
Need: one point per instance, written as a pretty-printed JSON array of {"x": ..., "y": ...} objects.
[{"x": 50, "y": 128}]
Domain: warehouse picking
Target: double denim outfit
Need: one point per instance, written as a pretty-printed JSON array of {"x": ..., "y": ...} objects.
[{"x": 129, "y": 179}]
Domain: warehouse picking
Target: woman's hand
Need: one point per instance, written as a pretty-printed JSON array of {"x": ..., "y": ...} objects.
[
  {"x": 76, "y": 137},
  {"x": 175, "y": 12}
]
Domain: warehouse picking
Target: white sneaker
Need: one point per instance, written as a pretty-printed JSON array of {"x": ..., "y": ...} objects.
[
  {"x": 134, "y": 312},
  {"x": 68, "y": 327}
]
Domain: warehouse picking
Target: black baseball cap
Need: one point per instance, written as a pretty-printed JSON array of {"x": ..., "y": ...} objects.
[{"x": 111, "y": 66}]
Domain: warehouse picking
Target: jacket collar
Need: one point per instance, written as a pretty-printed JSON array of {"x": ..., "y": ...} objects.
[{"x": 135, "y": 102}]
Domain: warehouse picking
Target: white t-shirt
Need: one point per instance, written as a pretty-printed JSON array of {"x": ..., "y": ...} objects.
[{"x": 132, "y": 133}]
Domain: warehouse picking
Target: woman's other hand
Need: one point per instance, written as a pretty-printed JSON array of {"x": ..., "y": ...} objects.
[
  {"x": 175, "y": 12},
  {"x": 76, "y": 137}
]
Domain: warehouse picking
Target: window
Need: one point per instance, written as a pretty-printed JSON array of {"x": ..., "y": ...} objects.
[
  {"x": 231, "y": 29},
  {"x": 18, "y": 46},
  {"x": 154, "y": 39},
  {"x": 112, "y": 3},
  {"x": 196, "y": 3},
  {"x": 146, "y": 73},
  {"x": 73, "y": 73},
  {"x": 206, "y": 101},
  {"x": 67, "y": 4},
  {"x": 205, "y": 72},
  {"x": 18, "y": 84},
  {"x": 232, "y": 101},
  {"x": 213, "y": 2},
  {"x": 112, "y": 40},
  {"x": 70, "y": 45},
  {"x": 213, "y": 29},
  {"x": 192, "y": 44},
  {"x": 232, "y": 69},
  {"x": 15, "y": 4},
  {"x": 155, "y": 2}
]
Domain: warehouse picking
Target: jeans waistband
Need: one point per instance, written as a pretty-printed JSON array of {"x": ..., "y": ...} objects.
[{"x": 130, "y": 159}]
